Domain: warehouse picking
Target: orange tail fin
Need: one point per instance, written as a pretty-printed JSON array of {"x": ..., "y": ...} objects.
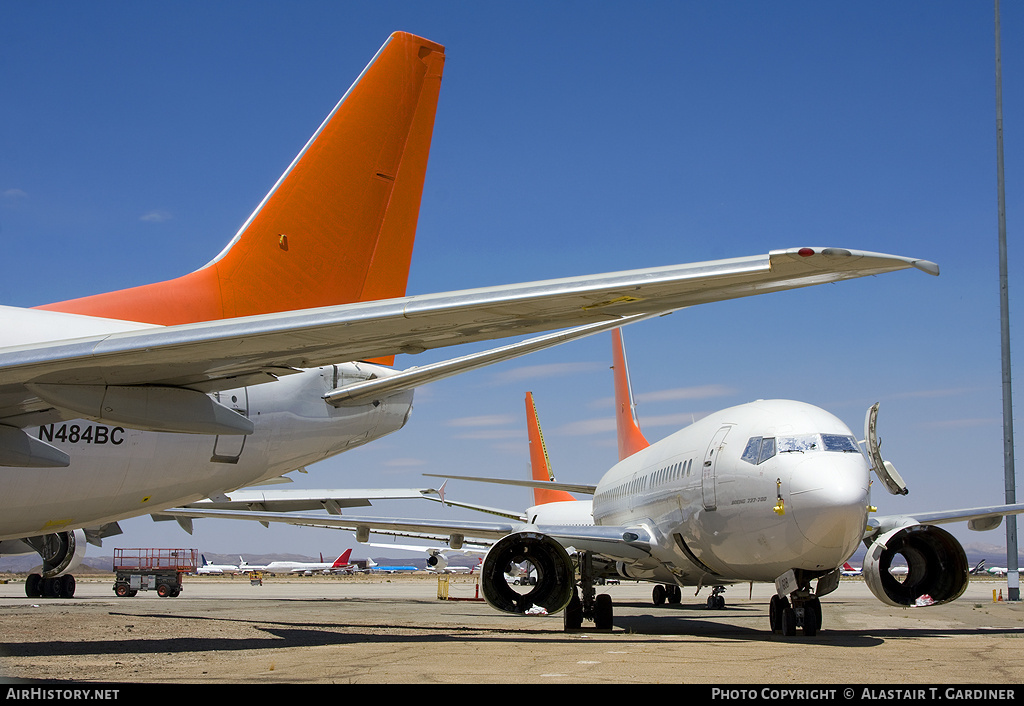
[
  {"x": 339, "y": 225},
  {"x": 539, "y": 461},
  {"x": 631, "y": 439}
]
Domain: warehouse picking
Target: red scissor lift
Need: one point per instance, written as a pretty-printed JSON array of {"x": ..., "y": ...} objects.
[{"x": 148, "y": 569}]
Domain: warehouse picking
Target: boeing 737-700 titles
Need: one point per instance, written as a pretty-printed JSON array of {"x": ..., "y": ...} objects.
[
  {"x": 277, "y": 353},
  {"x": 771, "y": 491}
]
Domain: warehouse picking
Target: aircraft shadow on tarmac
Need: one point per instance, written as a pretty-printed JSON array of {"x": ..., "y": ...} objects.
[{"x": 687, "y": 621}]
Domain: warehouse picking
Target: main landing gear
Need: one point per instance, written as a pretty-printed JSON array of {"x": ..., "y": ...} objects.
[
  {"x": 57, "y": 587},
  {"x": 664, "y": 593},
  {"x": 588, "y": 605},
  {"x": 61, "y": 552}
]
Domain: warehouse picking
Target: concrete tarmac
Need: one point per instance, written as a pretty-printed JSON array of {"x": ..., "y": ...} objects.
[{"x": 395, "y": 630}]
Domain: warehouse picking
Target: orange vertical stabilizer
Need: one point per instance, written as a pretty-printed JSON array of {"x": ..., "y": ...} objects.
[
  {"x": 539, "y": 461},
  {"x": 338, "y": 226},
  {"x": 631, "y": 439}
]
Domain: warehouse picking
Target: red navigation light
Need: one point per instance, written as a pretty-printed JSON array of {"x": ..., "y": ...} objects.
[{"x": 805, "y": 252}]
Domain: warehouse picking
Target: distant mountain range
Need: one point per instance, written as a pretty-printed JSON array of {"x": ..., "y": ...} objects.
[
  {"x": 23, "y": 563},
  {"x": 993, "y": 555}
]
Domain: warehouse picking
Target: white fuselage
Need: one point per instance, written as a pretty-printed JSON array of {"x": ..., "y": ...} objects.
[
  {"x": 117, "y": 472},
  {"x": 722, "y": 512}
]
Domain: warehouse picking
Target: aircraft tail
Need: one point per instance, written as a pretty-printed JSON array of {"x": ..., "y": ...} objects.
[
  {"x": 343, "y": 559},
  {"x": 847, "y": 567},
  {"x": 539, "y": 461},
  {"x": 337, "y": 227},
  {"x": 631, "y": 439}
]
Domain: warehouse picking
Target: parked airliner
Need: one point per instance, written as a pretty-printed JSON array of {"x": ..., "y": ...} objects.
[
  {"x": 277, "y": 353},
  {"x": 772, "y": 491},
  {"x": 210, "y": 568},
  {"x": 341, "y": 564}
]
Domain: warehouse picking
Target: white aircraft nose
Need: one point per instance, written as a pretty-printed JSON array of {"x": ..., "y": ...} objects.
[{"x": 828, "y": 497}]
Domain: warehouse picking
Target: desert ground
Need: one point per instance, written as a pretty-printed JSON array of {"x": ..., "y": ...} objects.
[{"x": 394, "y": 629}]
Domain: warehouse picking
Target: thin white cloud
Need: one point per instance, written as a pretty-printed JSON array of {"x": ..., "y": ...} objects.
[
  {"x": 604, "y": 426},
  {"x": 700, "y": 392},
  {"x": 405, "y": 462},
  {"x": 993, "y": 422},
  {"x": 155, "y": 217},
  {"x": 549, "y": 370},
  {"x": 587, "y": 427},
  {"x": 483, "y": 420},
  {"x": 14, "y": 195},
  {"x": 492, "y": 434}
]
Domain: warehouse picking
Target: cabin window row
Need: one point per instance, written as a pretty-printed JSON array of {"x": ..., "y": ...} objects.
[{"x": 682, "y": 469}]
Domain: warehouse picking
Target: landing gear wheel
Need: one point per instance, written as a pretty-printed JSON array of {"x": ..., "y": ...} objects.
[
  {"x": 603, "y": 612},
  {"x": 675, "y": 594},
  {"x": 812, "y": 617},
  {"x": 572, "y": 615},
  {"x": 658, "y": 594},
  {"x": 775, "y": 608},
  {"x": 34, "y": 586},
  {"x": 788, "y": 622}
]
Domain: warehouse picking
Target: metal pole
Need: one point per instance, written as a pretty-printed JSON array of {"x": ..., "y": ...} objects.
[{"x": 1009, "y": 475}]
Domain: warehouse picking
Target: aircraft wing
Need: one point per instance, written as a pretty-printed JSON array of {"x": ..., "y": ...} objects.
[
  {"x": 615, "y": 543},
  {"x": 228, "y": 353},
  {"x": 978, "y": 518},
  {"x": 396, "y": 526},
  {"x": 582, "y": 488},
  {"x": 331, "y": 500},
  {"x": 299, "y": 500}
]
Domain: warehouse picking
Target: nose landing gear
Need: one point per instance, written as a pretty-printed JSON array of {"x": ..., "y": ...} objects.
[
  {"x": 803, "y": 607},
  {"x": 786, "y": 618}
]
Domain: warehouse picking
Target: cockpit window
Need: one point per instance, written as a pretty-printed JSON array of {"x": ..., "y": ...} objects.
[
  {"x": 839, "y": 442},
  {"x": 767, "y": 449},
  {"x": 753, "y": 449},
  {"x": 804, "y": 442},
  {"x": 759, "y": 450},
  {"x": 818, "y": 442}
]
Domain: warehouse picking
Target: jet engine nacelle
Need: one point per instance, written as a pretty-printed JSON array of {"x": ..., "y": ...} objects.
[
  {"x": 437, "y": 561},
  {"x": 61, "y": 552},
  {"x": 556, "y": 573},
  {"x": 936, "y": 566}
]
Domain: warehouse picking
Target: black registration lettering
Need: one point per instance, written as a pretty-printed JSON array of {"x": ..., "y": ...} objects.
[{"x": 97, "y": 434}]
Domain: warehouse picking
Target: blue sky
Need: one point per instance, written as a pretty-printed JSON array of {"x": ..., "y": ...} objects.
[{"x": 571, "y": 138}]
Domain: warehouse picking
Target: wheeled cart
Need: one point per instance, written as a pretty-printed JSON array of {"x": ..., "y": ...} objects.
[{"x": 152, "y": 569}]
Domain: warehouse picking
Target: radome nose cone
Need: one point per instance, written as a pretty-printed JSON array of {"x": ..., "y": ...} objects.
[{"x": 828, "y": 496}]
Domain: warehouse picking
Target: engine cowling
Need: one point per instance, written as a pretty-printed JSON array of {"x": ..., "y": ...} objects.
[
  {"x": 61, "y": 552},
  {"x": 936, "y": 566},
  {"x": 437, "y": 561},
  {"x": 556, "y": 573}
]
